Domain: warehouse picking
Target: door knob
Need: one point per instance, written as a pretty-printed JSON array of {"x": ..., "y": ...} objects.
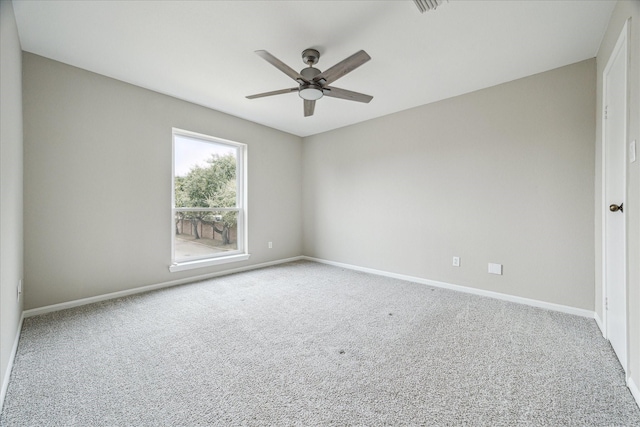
[{"x": 616, "y": 208}]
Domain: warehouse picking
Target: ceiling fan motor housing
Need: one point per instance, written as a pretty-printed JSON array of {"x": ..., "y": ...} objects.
[
  {"x": 310, "y": 91},
  {"x": 309, "y": 73}
]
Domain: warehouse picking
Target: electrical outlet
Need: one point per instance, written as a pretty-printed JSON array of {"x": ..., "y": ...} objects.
[
  {"x": 495, "y": 268},
  {"x": 456, "y": 261},
  {"x": 270, "y": 245},
  {"x": 19, "y": 288}
]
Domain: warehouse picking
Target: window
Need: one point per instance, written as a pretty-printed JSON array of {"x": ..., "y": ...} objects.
[{"x": 208, "y": 201}]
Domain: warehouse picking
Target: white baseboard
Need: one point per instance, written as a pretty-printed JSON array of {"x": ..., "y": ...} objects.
[
  {"x": 466, "y": 289},
  {"x": 496, "y": 295},
  {"x": 120, "y": 294},
  {"x": 599, "y": 323},
  {"x": 12, "y": 356},
  {"x": 634, "y": 390}
]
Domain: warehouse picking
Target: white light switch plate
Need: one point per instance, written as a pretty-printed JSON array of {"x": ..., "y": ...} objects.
[
  {"x": 632, "y": 151},
  {"x": 495, "y": 268}
]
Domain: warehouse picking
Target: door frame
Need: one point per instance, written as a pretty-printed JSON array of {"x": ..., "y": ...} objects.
[{"x": 621, "y": 44}]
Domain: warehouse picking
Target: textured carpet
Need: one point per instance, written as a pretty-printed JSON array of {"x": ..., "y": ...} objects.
[{"x": 310, "y": 344}]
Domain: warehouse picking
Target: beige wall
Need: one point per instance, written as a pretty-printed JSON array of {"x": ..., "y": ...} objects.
[
  {"x": 502, "y": 175},
  {"x": 623, "y": 11},
  {"x": 98, "y": 156},
  {"x": 11, "y": 240}
]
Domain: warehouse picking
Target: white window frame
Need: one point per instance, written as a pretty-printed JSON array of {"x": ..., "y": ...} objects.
[{"x": 240, "y": 254}]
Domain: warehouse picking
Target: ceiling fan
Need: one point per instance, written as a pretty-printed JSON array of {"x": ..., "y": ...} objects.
[{"x": 314, "y": 84}]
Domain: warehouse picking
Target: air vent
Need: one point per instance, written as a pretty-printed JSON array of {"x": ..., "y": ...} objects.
[{"x": 427, "y": 5}]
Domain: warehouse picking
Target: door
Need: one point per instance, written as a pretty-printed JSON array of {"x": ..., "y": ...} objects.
[{"x": 614, "y": 162}]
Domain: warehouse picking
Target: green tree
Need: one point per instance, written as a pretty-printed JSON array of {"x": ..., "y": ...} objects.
[
  {"x": 212, "y": 186},
  {"x": 226, "y": 196}
]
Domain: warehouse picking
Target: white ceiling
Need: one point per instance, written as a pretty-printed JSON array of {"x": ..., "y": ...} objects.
[{"x": 202, "y": 51}]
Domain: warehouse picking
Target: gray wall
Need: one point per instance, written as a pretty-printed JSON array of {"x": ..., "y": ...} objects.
[
  {"x": 509, "y": 174},
  {"x": 11, "y": 240},
  {"x": 623, "y": 11},
  {"x": 97, "y": 159},
  {"x": 501, "y": 175}
]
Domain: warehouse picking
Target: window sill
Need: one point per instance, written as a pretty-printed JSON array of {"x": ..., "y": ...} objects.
[{"x": 190, "y": 265}]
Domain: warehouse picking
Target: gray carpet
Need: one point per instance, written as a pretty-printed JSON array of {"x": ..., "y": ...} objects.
[{"x": 309, "y": 344}]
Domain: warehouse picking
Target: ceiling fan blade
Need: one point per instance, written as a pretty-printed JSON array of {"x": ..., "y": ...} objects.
[
  {"x": 281, "y": 66},
  {"x": 309, "y": 107},
  {"x": 275, "y": 92},
  {"x": 341, "y": 68},
  {"x": 335, "y": 92}
]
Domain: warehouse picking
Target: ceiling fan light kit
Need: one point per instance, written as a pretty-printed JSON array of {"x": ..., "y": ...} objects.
[
  {"x": 314, "y": 84},
  {"x": 311, "y": 92}
]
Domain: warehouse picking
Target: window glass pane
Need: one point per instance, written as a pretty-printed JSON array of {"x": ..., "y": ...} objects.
[
  {"x": 206, "y": 234},
  {"x": 205, "y": 173},
  {"x": 208, "y": 194}
]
